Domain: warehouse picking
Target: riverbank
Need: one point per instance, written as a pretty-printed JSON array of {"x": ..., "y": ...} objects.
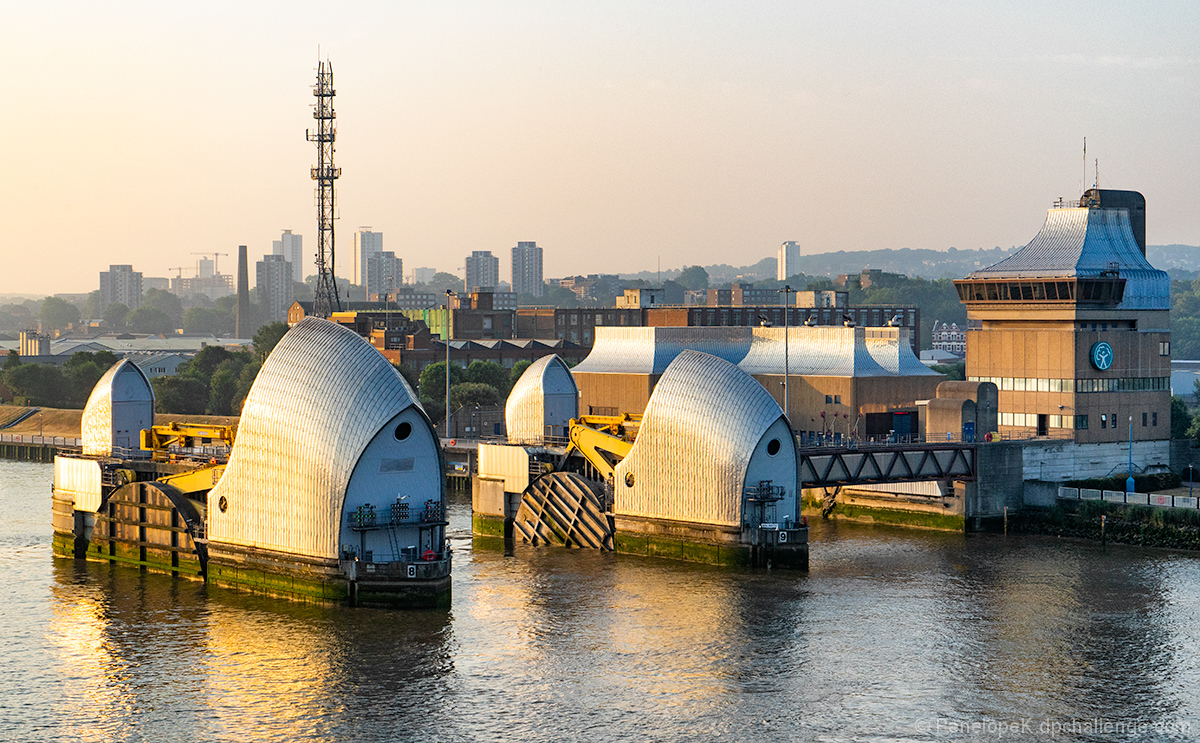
[
  {"x": 1147, "y": 526},
  {"x": 66, "y": 422}
]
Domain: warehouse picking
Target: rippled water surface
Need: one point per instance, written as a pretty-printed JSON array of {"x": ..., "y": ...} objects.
[{"x": 892, "y": 635}]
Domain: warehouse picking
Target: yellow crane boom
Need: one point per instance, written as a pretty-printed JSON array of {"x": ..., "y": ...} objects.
[
  {"x": 601, "y": 449},
  {"x": 158, "y": 438}
]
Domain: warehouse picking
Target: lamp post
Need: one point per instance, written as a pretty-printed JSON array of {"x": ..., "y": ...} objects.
[
  {"x": 1129, "y": 480},
  {"x": 447, "y": 340},
  {"x": 787, "y": 301}
]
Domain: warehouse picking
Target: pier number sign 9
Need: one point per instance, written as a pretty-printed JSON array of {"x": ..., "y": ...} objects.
[{"x": 1101, "y": 355}]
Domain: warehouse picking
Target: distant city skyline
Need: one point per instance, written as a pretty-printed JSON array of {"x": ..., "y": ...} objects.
[{"x": 694, "y": 134}]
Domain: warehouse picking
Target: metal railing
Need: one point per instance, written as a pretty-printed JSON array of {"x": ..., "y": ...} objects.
[{"x": 842, "y": 441}]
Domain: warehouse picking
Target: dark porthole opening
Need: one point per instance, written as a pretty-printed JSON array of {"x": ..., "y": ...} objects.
[
  {"x": 403, "y": 431},
  {"x": 223, "y": 504},
  {"x": 773, "y": 447}
]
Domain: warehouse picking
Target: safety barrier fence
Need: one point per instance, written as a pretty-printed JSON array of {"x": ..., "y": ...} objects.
[{"x": 1162, "y": 500}]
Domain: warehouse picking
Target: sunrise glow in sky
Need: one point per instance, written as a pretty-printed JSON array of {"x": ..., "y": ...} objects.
[{"x": 613, "y": 134}]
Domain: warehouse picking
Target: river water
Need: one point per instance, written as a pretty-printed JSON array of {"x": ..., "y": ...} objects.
[{"x": 892, "y": 635}]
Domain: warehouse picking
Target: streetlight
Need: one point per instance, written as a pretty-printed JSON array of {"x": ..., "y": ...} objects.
[
  {"x": 1129, "y": 480},
  {"x": 787, "y": 301},
  {"x": 447, "y": 340}
]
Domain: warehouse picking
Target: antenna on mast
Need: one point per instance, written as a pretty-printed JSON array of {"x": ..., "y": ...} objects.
[
  {"x": 1083, "y": 180},
  {"x": 1096, "y": 183}
]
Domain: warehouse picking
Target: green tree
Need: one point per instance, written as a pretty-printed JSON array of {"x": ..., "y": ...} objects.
[
  {"x": 204, "y": 363},
  {"x": 91, "y": 307},
  {"x": 222, "y": 390},
  {"x": 517, "y": 370},
  {"x": 148, "y": 320},
  {"x": 433, "y": 380},
  {"x": 57, "y": 314},
  {"x": 165, "y": 302},
  {"x": 952, "y": 371},
  {"x": 409, "y": 375},
  {"x": 472, "y": 393},
  {"x": 207, "y": 321},
  {"x": 1181, "y": 420},
  {"x": 267, "y": 337},
  {"x": 180, "y": 395},
  {"x": 12, "y": 361},
  {"x": 489, "y": 373},
  {"x": 41, "y": 384},
  {"x": 114, "y": 316},
  {"x": 245, "y": 381},
  {"x": 693, "y": 278}
]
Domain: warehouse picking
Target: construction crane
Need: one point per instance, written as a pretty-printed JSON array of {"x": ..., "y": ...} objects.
[
  {"x": 216, "y": 269},
  {"x": 179, "y": 270}
]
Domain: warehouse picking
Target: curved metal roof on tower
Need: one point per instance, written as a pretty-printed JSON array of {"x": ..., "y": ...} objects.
[
  {"x": 701, "y": 426},
  {"x": 525, "y": 410},
  {"x": 321, "y": 396},
  {"x": 650, "y": 350},
  {"x": 1087, "y": 242},
  {"x": 124, "y": 382}
]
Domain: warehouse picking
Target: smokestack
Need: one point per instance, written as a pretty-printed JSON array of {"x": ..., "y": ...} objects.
[{"x": 242, "y": 325}]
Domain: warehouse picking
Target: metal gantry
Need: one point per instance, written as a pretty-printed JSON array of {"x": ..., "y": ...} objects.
[
  {"x": 326, "y": 300},
  {"x": 832, "y": 467}
]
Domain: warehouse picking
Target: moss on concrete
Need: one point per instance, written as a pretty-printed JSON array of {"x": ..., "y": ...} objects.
[
  {"x": 893, "y": 517},
  {"x": 279, "y": 584},
  {"x": 487, "y": 526},
  {"x": 649, "y": 545},
  {"x": 64, "y": 545}
]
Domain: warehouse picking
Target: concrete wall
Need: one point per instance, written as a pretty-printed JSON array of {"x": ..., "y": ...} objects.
[
  {"x": 1059, "y": 461},
  {"x": 999, "y": 467}
]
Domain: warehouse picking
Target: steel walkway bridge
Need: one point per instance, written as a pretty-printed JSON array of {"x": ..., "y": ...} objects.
[{"x": 828, "y": 466}]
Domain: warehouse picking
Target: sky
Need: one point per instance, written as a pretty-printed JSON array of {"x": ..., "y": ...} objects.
[{"x": 615, "y": 134}]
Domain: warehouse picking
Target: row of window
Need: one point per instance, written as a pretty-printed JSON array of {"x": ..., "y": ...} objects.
[
  {"x": 1031, "y": 420},
  {"x": 1118, "y": 384},
  {"x": 1079, "y": 422}
]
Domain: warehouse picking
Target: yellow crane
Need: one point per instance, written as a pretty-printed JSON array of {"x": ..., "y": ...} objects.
[
  {"x": 162, "y": 438},
  {"x": 603, "y": 440}
]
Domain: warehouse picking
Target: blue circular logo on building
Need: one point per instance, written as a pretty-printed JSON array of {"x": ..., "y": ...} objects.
[{"x": 1101, "y": 355}]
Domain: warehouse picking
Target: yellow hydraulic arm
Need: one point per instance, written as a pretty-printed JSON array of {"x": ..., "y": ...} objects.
[
  {"x": 603, "y": 450},
  {"x": 197, "y": 480},
  {"x": 157, "y": 438},
  {"x": 624, "y": 426}
]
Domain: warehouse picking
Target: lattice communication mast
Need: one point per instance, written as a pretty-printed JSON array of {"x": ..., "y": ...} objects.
[{"x": 326, "y": 300}]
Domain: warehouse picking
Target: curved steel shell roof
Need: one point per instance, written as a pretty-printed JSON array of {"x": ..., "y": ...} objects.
[
  {"x": 651, "y": 350},
  {"x": 525, "y": 412},
  {"x": 1084, "y": 242},
  {"x": 702, "y": 424},
  {"x": 320, "y": 398},
  {"x": 827, "y": 351},
  {"x": 124, "y": 382}
]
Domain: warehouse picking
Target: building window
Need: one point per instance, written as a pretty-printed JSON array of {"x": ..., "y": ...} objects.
[
  {"x": 1081, "y": 422},
  {"x": 1164, "y": 348},
  {"x": 1143, "y": 420},
  {"x": 837, "y": 399},
  {"x": 1103, "y": 421},
  {"x": 1154, "y": 419},
  {"x": 829, "y": 399}
]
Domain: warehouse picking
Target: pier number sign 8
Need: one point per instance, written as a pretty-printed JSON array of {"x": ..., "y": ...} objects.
[{"x": 1101, "y": 355}]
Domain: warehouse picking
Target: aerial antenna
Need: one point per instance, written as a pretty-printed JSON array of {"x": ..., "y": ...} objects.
[
  {"x": 1096, "y": 183},
  {"x": 325, "y": 299},
  {"x": 1083, "y": 180}
]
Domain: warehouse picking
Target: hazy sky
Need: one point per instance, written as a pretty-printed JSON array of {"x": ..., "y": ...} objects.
[{"x": 610, "y": 133}]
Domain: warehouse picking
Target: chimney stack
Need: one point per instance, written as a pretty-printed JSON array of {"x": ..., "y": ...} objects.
[{"x": 242, "y": 325}]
